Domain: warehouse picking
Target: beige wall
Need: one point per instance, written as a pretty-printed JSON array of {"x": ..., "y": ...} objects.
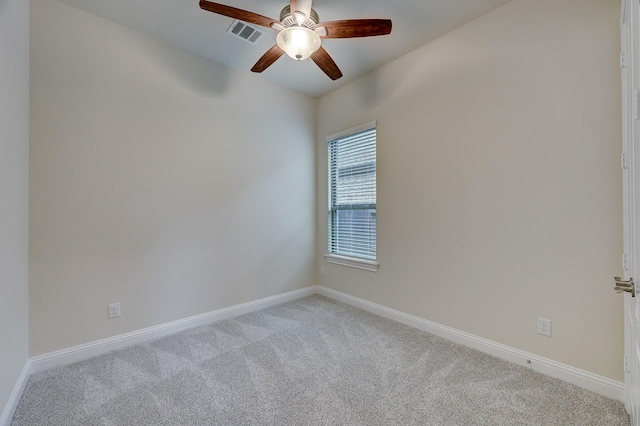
[
  {"x": 14, "y": 193},
  {"x": 159, "y": 180},
  {"x": 167, "y": 183},
  {"x": 499, "y": 185}
]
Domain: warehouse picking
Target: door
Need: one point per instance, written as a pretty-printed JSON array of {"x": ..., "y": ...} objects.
[{"x": 630, "y": 65}]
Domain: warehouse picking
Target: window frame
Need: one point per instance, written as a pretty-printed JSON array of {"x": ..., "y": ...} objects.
[{"x": 342, "y": 259}]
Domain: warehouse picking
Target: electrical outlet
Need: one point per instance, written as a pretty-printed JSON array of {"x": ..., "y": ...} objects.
[
  {"x": 544, "y": 327},
  {"x": 114, "y": 310},
  {"x": 322, "y": 271}
]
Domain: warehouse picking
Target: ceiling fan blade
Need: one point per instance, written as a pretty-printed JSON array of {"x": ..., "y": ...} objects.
[
  {"x": 356, "y": 28},
  {"x": 303, "y": 6},
  {"x": 233, "y": 12},
  {"x": 268, "y": 58},
  {"x": 326, "y": 64}
]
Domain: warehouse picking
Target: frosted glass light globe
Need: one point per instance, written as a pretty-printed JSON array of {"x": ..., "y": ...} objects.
[{"x": 298, "y": 42}]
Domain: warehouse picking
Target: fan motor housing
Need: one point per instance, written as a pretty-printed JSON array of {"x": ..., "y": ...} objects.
[{"x": 289, "y": 20}]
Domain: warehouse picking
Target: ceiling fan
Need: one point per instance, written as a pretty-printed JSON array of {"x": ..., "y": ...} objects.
[{"x": 300, "y": 32}]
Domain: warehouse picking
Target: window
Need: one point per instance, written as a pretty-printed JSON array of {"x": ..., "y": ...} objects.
[{"x": 352, "y": 194}]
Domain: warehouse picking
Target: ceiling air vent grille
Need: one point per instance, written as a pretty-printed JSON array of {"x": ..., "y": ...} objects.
[{"x": 245, "y": 31}]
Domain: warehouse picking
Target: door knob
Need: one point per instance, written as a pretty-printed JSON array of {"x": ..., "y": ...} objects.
[{"x": 628, "y": 286}]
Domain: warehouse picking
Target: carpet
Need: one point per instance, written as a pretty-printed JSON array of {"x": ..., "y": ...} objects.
[{"x": 312, "y": 361}]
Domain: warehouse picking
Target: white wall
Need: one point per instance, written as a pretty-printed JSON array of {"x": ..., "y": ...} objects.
[
  {"x": 159, "y": 180},
  {"x": 14, "y": 193},
  {"x": 499, "y": 188}
]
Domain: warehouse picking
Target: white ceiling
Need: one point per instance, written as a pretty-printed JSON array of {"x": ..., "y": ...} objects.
[{"x": 183, "y": 24}]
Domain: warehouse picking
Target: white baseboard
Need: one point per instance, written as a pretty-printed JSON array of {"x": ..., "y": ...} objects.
[
  {"x": 590, "y": 381},
  {"x": 14, "y": 398},
  {"x": 88, "y": 350}
]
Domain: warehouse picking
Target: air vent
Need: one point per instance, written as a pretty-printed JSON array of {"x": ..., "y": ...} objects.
[{"x": 247, "y": 32}]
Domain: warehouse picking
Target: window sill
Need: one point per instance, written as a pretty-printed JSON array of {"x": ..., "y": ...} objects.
[{"x": 352, "y": 262}]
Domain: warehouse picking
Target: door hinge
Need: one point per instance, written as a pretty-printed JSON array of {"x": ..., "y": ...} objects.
[
  {"x": 624, "y": 161},
  {"x": 623, "y": 60},
  {"x": 626, "y": 364}
]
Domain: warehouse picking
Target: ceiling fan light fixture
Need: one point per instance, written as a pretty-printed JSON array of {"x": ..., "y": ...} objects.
[
  {"x": 298, "y": 42},
  {"x": 300, "y": 32}
]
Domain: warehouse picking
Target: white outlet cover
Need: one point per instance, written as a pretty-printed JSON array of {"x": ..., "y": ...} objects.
[
  {"x": 544, "y": 327},
  {"x": 114, "y": 310}
]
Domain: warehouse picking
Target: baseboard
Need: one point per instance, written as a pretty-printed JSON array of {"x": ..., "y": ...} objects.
[
  {"x": 88, "y": 350},
  {"x": 14, "y": 398},
  {"x": 590, "y": 381}
]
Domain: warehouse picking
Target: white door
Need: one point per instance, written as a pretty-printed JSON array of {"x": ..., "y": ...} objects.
[{"x": 630, "y": 64}]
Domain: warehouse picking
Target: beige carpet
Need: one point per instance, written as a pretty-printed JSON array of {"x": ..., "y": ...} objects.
[{"x": 308, "y": 362}]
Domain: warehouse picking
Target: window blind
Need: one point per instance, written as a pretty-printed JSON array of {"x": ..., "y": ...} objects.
[{"x": 352, "y": 195}]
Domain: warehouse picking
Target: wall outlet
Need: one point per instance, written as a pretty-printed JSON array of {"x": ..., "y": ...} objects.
[
  {"x": 114, "y": 310},
  {"x": 322, "y": 271},
  {"x": 544, "y": 327}
]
